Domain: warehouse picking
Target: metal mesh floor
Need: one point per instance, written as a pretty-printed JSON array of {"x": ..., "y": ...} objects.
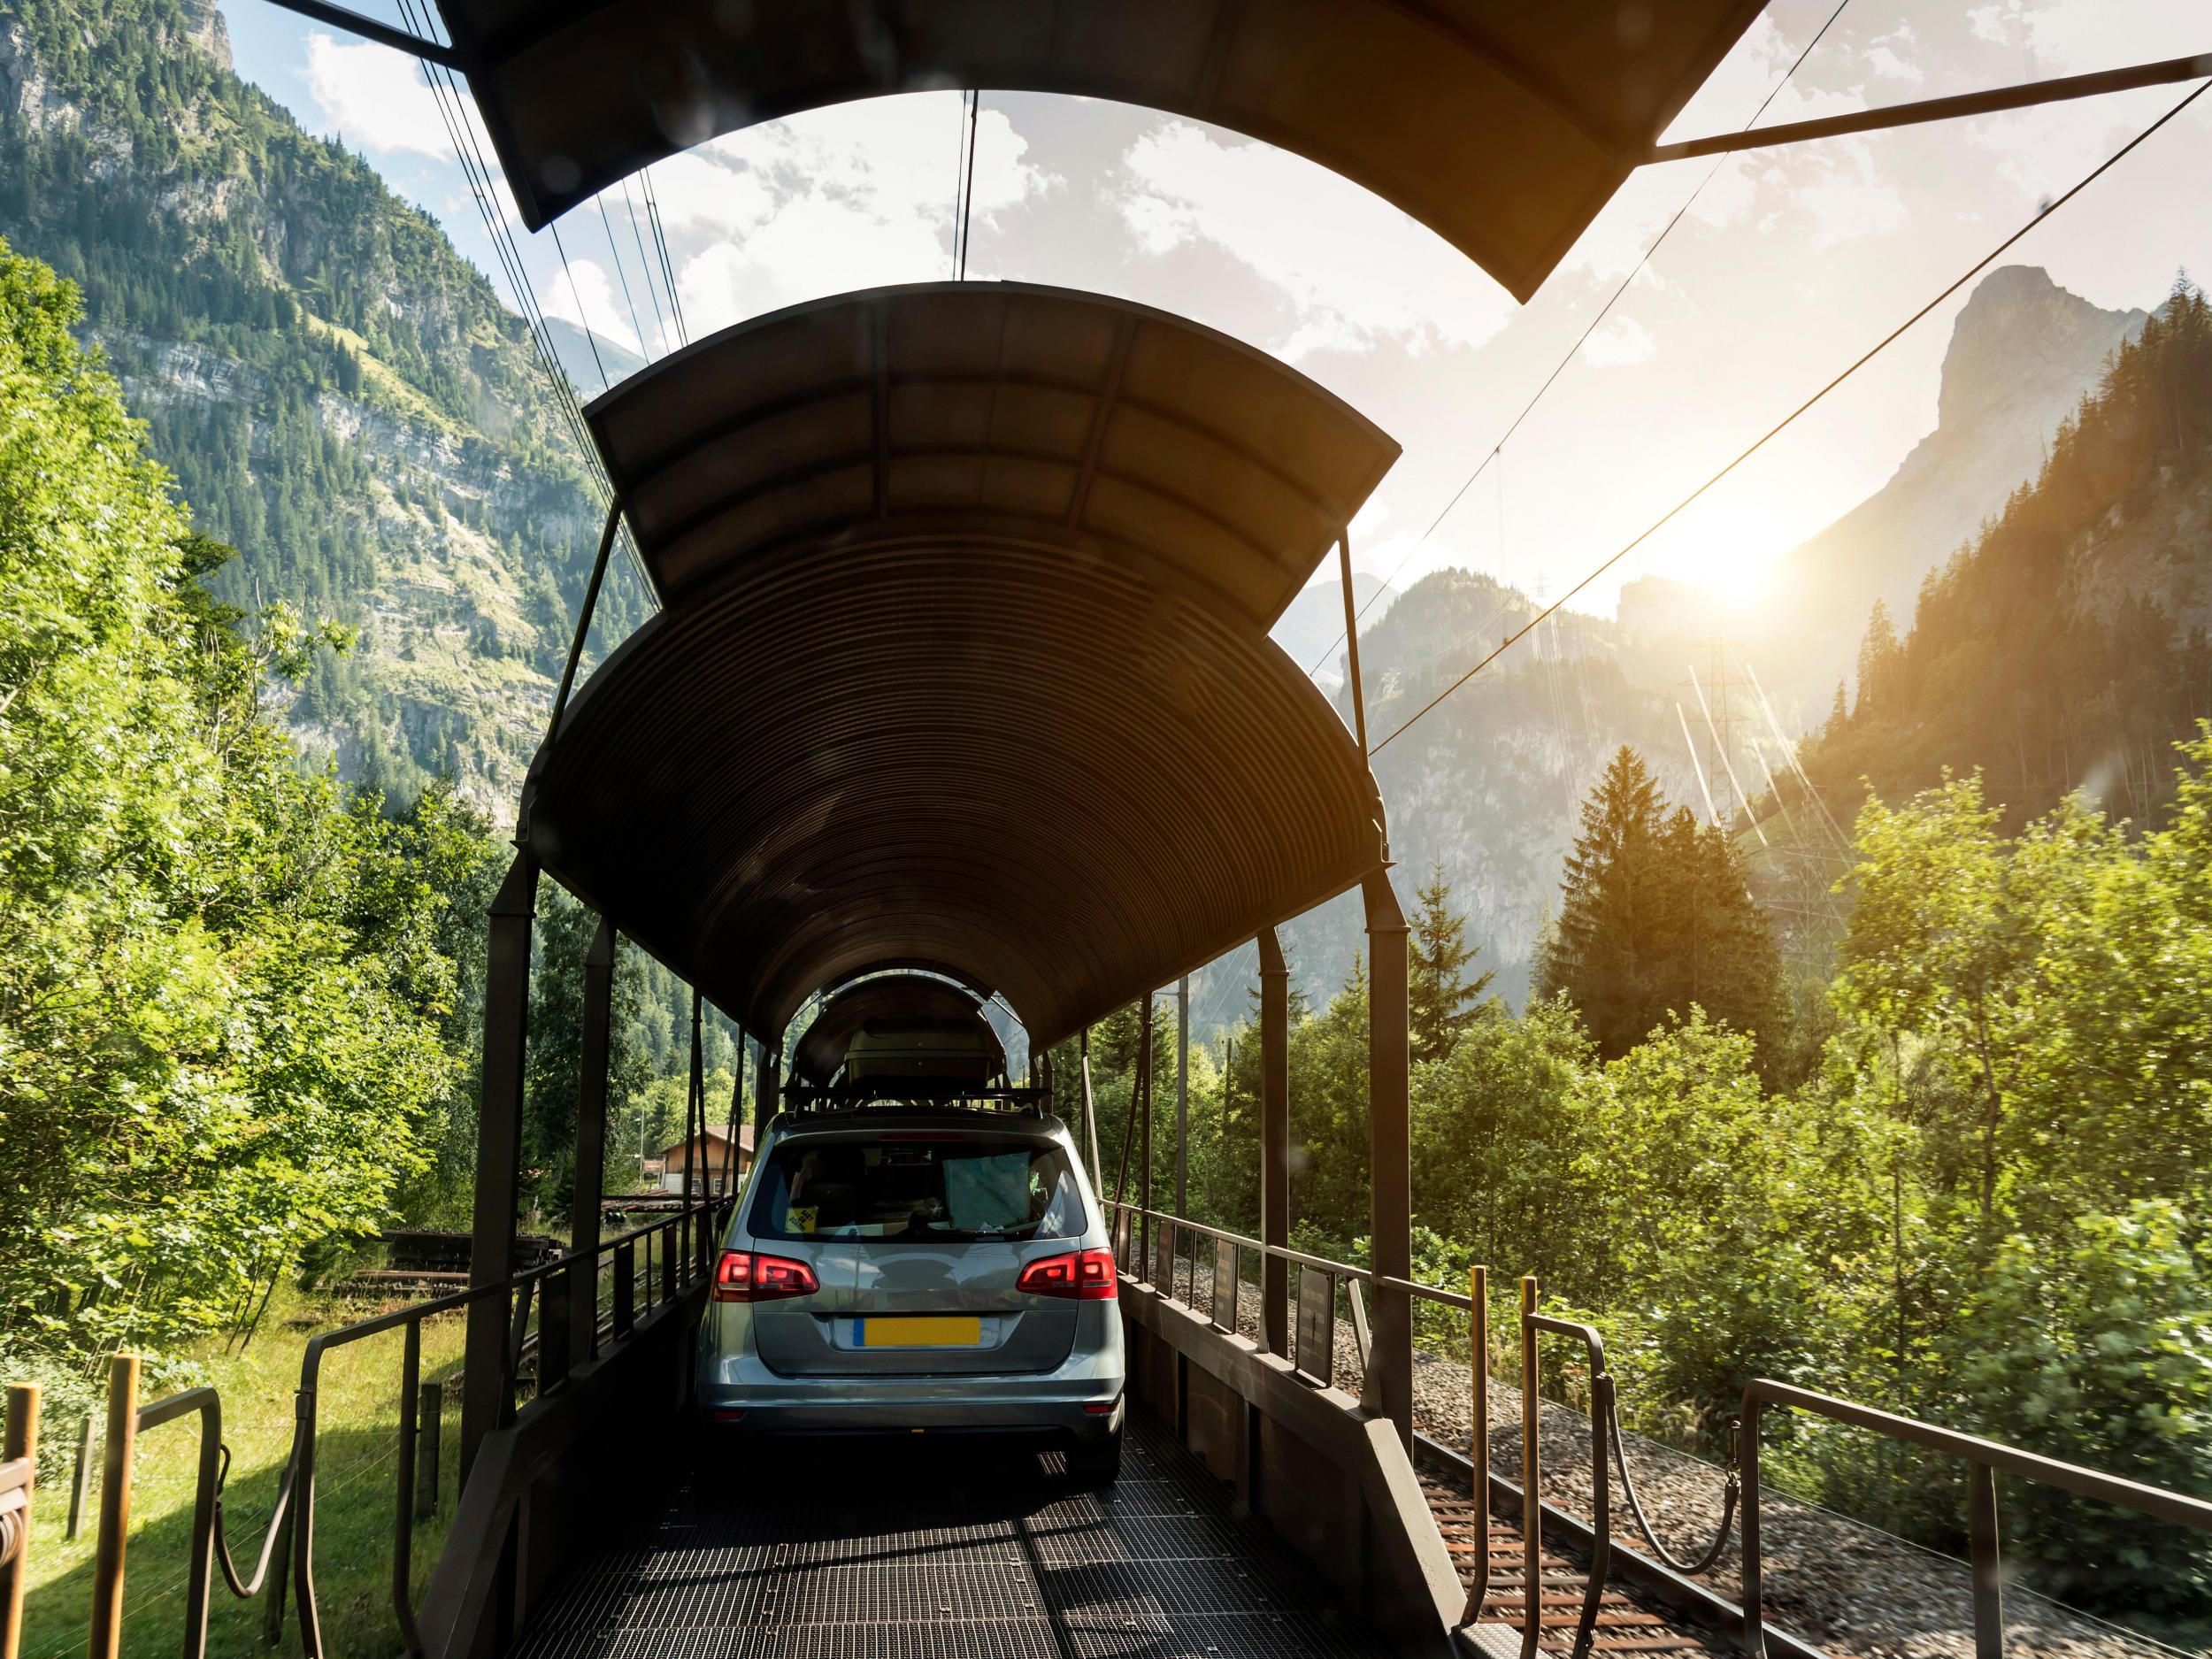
[{"x": 945, "y": 1550}]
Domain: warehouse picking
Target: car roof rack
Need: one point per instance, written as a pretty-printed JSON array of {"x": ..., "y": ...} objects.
[{"x": 898, "y": 1094}]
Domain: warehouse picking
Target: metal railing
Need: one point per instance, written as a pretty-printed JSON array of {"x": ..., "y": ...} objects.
[
  {"x": 1983, "y": 1458},
  {"x": 632, "y": 1274},
  {"x": 1740, "y": 1473}
]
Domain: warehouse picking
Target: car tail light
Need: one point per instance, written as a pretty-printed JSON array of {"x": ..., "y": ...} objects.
[
  {"x": 742, "y": 1276},
  {"x": 1080, "y": 1275}
]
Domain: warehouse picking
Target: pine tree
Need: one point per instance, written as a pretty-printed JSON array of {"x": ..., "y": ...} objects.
[
  {"x": 1594, "y": 956},
  {"x": 1656, "y": 917},
  {"x": 1444, "y": 1000}
]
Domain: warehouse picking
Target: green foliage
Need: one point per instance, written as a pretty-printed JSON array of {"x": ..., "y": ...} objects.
[
  {"x": 2097, "y": 1348},
  {"x": 1440, "y": 990},
  {"x": 1655, "y": 917},
  {"x": 220, "y": 992},
  {"x": 340, "y": 396}
]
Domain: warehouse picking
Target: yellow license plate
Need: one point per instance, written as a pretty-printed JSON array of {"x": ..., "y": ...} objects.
[{"x": 914, "y": 1330}]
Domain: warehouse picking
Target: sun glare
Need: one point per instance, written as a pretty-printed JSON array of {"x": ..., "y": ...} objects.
[{"x": 1733, "y": 552}]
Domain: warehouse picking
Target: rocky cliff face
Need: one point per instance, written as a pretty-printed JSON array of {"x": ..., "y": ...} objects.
[
  {"x": 1491, "y": 783},
  {"x": 2021, "y": 354},
  {"x": 339, "y": 394}
]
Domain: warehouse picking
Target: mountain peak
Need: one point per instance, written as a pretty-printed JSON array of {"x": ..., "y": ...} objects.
[{"x": 2018, "y": 336}]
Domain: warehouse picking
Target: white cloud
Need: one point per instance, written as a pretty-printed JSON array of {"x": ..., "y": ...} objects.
[
  {"x": 1619, "y": 340},
  {"x": 1888, "y": 65},
  {"x": 1353, "y": 268},
  {"x": 1838, "y": 186},
  {"x": 838, "y": 199},
  {"x": 600, "y": 309},
  {"x": 376, "y": 98}
]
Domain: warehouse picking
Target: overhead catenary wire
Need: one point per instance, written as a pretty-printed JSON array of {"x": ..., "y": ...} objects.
[
  {"x": 660, "y": 323},
  {"x": 1790, "y": 419},
  {"x": 637, "y": 323},
  {"x": 453, "y": 105},
  {"x": 591, "y": 334},
  {"x": 1497, "y": 449},
  {"x": 452, "y": 111},
  {"x": 660, "y": 244}
]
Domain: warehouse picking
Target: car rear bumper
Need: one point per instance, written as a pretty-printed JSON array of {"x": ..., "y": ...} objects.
[
  {"x": 1048, "y": 1422},
  {"x": 739, "y": 1390}
]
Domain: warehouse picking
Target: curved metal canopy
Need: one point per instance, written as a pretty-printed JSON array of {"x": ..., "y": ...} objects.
[
  {"x": 1091, "y": 423},
  {"x": 1060, "y": 762},
  {"x": 900, "y": 1025},
  {"x": 1501, "y": 125}
]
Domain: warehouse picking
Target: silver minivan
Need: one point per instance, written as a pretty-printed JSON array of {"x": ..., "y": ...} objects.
[{"x": 900, "y": 1270}]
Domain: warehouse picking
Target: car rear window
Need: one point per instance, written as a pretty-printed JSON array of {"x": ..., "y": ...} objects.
[{"x": 918, "y": 1186}]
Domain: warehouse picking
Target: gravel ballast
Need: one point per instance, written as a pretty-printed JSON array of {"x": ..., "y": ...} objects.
[{"x": 1839, "y": 1583}]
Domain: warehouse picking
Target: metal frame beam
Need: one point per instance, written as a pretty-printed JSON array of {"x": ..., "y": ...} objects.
[
  {"x": 1387, "y": 1387},
  {"x": 1274, "y": 1143},
  {"x": 768, "y": 1087},
  {"x": 591, "y": 1144},
  {"x": 487, "y": 1367},
  {"x": 370, "y": 28},
  {"x": 2056, "y": 90}
]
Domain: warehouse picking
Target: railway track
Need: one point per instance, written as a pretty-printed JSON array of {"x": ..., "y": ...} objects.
[{"x": 1623, "y": 1625}]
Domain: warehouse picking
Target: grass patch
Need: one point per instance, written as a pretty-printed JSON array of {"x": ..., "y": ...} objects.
[{"x": 356, "y": 1453}]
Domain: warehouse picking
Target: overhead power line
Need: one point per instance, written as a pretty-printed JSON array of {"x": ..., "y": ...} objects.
[
  {"x": 1782, "y": 425},
  {"x": 1575, "y": 351}
]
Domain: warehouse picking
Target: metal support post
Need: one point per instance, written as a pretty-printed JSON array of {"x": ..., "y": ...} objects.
[
  {"x": 1274, "y": 1143},
  {"x": 1388, "y": 1386},
  {"x": 1144, "y": 1134},
  {"x": 698, "y": 1175},
  {"x": 1984, "y": 1556},
  {"x": 488, "y": 1362},
  {"x": 1532, "y": 1478},
  {"x": 1351, "y": 642},
  {"x": 769, "y": 1085},
  {"x": 591, "y": 1146},
  {"x": 430, "y": 1419},
  {"x": 1478, "y": 1444},
  {"x": 106, "y": 1636},
  {"x": 1090, "y": 1113},
  {"x": 20, "y": 1448},
  {"x": 1182, "y": 1097},
  {"x": 79, "y": 1479}
]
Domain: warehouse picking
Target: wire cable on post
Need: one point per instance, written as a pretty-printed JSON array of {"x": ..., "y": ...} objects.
[
  {"x": 1790, "y": 419},
  {"x": 1581, "y": 339},
  {"x": 963, "y": 232}
]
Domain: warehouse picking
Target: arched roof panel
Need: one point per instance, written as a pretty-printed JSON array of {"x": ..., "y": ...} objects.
[
  {"x": 928, "y": 1028},
  {"x": 1091, "y": 423},
  {"x": 1063, "y": 780},
  {"x": 965, "y": 659},
  {"x": 1501, "y": 125}
]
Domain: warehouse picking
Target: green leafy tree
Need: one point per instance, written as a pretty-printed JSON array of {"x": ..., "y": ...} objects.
[{"x": 219, "y": 990}]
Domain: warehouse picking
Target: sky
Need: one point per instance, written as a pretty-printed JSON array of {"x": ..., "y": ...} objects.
[{"x": 1787, "y": 265}]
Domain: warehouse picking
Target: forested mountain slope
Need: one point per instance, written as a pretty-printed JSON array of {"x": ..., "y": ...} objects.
[
  {"x": 340, "y": 395},
  {"x": 2066, "y": 650}
]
